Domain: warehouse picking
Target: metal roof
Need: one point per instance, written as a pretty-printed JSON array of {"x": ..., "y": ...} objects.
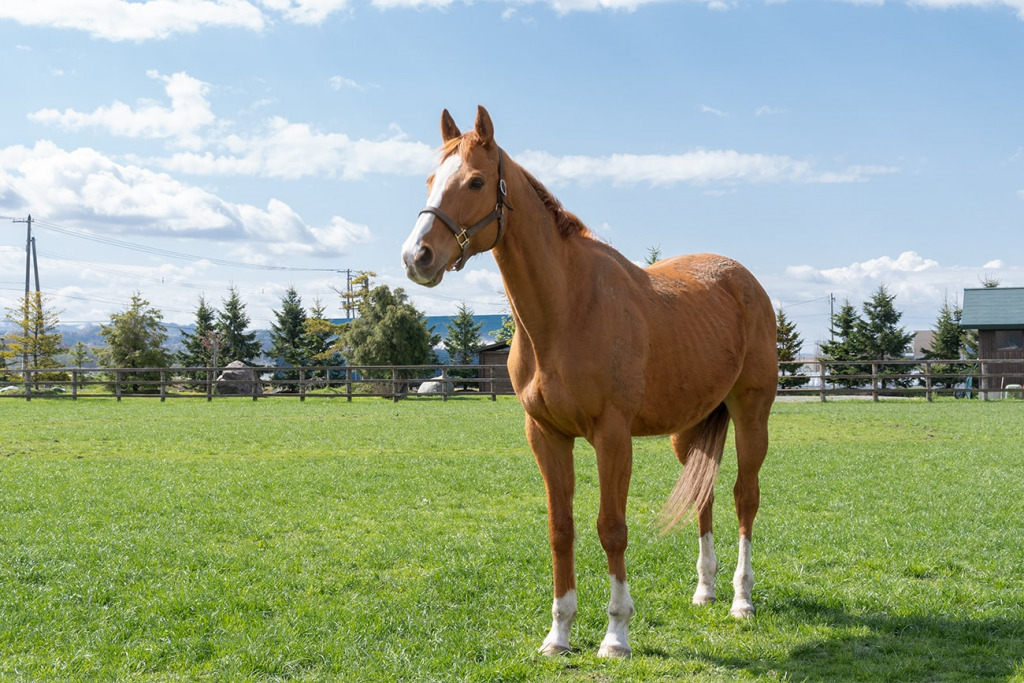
[{"x": 994, "y": 308}]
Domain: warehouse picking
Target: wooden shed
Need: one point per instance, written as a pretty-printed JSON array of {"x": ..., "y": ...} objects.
[
  {"x": 998, "y": 315},
  {"x": 493, "y": 361}
]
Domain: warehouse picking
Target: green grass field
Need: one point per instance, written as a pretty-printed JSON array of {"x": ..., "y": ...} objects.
[{"x": 364, "y": 541}]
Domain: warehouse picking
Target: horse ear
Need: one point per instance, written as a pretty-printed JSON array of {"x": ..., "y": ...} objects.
[
  {"x": 449, "y": 131},
  {"x": 484, "y": 127}
]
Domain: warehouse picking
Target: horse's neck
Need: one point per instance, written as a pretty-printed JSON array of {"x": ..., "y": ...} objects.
[{"x": 538, "y": 267}]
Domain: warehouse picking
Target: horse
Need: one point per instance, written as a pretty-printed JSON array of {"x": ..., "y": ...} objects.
[{"x": 605, "y": 350}]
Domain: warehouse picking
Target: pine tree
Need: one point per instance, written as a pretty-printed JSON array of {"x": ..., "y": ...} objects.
[
  {"x": 948, "y": 343},
  {"x": 135, "y": 339},
  {"x": 846, "y": 344},
  {"x": 198, "y": 351},
  {"x": 35, "y": 341},
  {"x": 789, "y": 344},
  {"x": 462, "y": 341},
  {"x": 79, "y": 354},
  {"x": 286, "y": 336},
  {"x": 883, "y": 338},
  {"x": 232, "y": 321}
]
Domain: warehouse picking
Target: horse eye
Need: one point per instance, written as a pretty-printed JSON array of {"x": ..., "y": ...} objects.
[{"x": 476, "y": 183}]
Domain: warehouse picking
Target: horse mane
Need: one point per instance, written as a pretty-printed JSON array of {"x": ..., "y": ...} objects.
[{"x": 568, "y": 223}]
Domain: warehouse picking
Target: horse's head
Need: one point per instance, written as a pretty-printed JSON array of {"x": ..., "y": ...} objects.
[{"x": 466, "y": 203}]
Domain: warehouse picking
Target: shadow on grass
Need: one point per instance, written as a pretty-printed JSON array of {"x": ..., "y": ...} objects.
[{"x": 898, "y": 648}]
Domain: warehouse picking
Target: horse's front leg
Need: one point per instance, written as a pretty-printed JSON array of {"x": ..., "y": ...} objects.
[
  {"x": 554, "y": 458},
  {"x": 614, "y": 447}
]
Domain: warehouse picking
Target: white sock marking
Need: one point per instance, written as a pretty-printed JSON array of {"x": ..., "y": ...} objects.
[
  {"x": 743, "y": 582},
  {"x": 707, "y": 568},
  {"x": 563, "y": 611},
  {"x": 620, "y": 610}
]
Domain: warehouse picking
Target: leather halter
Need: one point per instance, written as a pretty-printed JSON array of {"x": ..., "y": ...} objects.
[{"x": 463, "y": 235}]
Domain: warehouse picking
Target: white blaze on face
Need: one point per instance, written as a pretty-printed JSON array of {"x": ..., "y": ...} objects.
[{"x": 442, "y": 176}]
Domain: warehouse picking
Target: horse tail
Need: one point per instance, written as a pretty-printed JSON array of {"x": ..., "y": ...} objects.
[{"x": 696, "y": 484}]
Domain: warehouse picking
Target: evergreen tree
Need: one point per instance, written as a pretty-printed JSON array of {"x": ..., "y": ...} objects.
[
  {"x": 198, "y": 348},
  {"x": 319, "y": 336},
  {"x": 358, "y": 289},
  {"x": 232, "y": 322},
  {"x": 135, "y": 338},
  {"x": 80, "y": 354},
  {"x": 846, "y": 344},
  {"x": 948, "y": 343},
  {"x": 35, "y": 341},
  {"x": 883, "y": 338},
  {"x": 287, "y": 346},
  {"x": 462, "y": 340},
  {"x": 653, "y": 255},
  {"x": 789, "y": 344},
  {"x": 388, "y": 331}
]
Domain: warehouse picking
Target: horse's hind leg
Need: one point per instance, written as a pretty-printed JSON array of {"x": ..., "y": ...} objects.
[
  {"x": 707, "y": 563},
  {"x": 750, "y": 421}
]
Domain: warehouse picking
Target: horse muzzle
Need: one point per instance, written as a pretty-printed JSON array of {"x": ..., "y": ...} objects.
[{"x": 422, "y": 265}]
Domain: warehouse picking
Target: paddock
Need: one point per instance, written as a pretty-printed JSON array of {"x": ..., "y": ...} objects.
[{"x": 326, "y": 540}]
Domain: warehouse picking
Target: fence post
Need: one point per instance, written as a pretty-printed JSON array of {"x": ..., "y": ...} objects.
[
  {"x": 983, "y": 380},
  {"x": 874, "y": 381},
  {"x": 117, "y": 385},
  {"x": 821, "y": 380},
  {"x": 209, "y": 384},
  {"x": 163, "y": 385},
  {"x": 348, "y": 384},
  {"x": 394, "y": 384},
  {"x": 302, "y": 385},
  {"x": 444, "y": 384},
  {"x": 28, "y": 385},
  {"x": 928, "y": 380},
  {"x": 74, "y": 385}
]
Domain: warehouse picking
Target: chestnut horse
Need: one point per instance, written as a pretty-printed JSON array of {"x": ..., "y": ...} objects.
[{"x": 606, "y": 350}]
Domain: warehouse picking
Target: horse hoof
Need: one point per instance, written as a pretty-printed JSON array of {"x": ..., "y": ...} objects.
[
  {"x": 742, "y": 610},
  {"x": 553, "y": 649},
  {"x": 615, "y": 651},
  {"x": 703, "y": 599}
]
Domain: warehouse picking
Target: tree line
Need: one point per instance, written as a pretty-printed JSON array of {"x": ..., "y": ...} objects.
[
  {"x": 389, "y": 330},
  {"x": 873, "y": 333}
]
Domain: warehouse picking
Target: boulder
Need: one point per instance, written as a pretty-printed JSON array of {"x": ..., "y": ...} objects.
[
  {"x": 433, "y": 386},
  {"x": 238, "y": 378}
]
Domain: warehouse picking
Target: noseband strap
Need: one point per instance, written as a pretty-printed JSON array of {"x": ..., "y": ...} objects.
[{"x": 463, "y": 235}]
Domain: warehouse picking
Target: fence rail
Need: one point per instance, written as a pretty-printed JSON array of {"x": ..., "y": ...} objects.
[
  {"x": 986, "y": 379},
  {"x": 348, "y": 382}
]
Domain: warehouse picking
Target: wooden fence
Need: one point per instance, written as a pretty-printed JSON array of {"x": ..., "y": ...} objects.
[
  {"x": 394, "y": 382},
  {"x": 868, "y": 379}
]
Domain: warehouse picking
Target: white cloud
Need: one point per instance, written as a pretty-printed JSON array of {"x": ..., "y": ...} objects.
[
  {"x": 306, "y": 11},
  {"x": 118, "y": 20},
  {"x": 294, "y": 150},
  {"x": 705, "y": 109},
  {"x": 188, "y": 114},
  {"x": 340, "y": 82},
  {"x": 765, "y": 110},
  {"x": 85, "y": 186},
  {"x": 123, "y": 20},
  {"x": 697, "y": 167}
]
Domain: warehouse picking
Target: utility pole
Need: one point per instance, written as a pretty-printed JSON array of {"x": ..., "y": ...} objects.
[
  {"x": 28, "y": 253},
  {"x": 29, "y": 250}
]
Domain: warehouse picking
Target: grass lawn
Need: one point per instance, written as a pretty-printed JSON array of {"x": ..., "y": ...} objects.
[{"x": 273, "y": 540}]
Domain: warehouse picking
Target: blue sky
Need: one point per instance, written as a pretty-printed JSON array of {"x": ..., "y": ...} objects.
[{"x": 831, "y": 146}]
